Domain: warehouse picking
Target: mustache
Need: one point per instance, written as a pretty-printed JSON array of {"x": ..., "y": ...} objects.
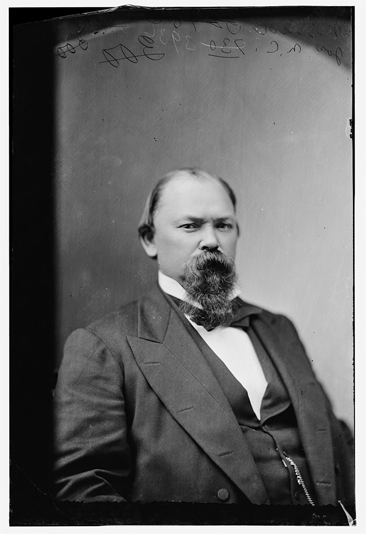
[{"x": 208, "y": 259}]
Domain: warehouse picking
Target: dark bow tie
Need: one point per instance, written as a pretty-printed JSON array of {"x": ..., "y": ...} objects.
[{"x": 240, "y": 319}]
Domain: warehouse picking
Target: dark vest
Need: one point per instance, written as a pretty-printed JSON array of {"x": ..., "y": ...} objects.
[{"x": 275, "y": 435}]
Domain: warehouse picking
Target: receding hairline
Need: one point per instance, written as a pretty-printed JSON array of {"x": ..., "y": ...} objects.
[
  {"x": 146, "y": 225},
  {"x": 193, "y": 175},
  {"x": 190, "y": 172}
]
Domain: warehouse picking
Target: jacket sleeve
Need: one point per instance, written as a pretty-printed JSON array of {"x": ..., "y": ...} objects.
[
  {"x": 92, "y": 455},
  {"x": 342, "y": 438}
]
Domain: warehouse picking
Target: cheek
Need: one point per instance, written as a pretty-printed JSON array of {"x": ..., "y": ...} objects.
[
  {"x": 177, "y": 247},
  {"x": 172, "y": 251},
  {"x": 230, "y": 246},
  {"x": 178, "y": 242}
]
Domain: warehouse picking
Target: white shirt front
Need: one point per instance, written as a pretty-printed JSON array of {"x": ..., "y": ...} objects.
[{"x": 232, "y": 345}]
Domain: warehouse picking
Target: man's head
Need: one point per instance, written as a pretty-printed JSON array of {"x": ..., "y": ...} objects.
[
  {"x": 190, "y": 226},
  {"x": 188, "y": 212}
]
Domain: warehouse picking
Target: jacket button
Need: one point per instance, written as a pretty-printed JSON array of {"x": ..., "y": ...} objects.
[{"x": 223, "y": 494}]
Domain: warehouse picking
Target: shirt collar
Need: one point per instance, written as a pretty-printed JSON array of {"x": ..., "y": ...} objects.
[{"x": 173, "y": 288}]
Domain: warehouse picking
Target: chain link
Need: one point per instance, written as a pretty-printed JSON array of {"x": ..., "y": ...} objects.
[{"x": 299, "y": 479}]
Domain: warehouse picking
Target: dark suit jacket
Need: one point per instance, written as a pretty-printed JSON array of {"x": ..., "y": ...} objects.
[{"x": 141, "y": 417}]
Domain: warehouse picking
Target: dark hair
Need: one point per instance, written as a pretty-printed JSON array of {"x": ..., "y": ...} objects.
[{"x": 146, "y": 225}]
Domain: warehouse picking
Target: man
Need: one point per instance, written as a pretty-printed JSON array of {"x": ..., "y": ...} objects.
[{"x": 191, "y": 394}]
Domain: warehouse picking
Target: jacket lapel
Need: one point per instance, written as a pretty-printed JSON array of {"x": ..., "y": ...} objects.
[
  {"x": 308, "y": 402},
  {"x": 184, "y": 382}
]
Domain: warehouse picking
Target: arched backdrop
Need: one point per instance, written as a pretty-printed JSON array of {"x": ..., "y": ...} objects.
[{"x": 263, "y": 99}]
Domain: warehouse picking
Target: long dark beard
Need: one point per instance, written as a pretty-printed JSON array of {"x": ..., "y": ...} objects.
[{"x": 209, "y": 281}]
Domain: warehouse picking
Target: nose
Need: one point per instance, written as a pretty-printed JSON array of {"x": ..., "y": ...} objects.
[{"x": 209, "y": 240}]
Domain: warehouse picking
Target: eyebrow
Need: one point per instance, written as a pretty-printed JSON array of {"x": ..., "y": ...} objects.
[
  {"x": 199, "y": 220},
  {"x": 227, "y": 218},
  {"x": 190, "y": 218}
]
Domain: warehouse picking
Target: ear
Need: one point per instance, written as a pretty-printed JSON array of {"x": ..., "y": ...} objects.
[{"x": 148, "y": 243}]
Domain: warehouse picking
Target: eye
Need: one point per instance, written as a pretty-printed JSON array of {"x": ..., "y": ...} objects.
[
  {"x": 224, "y": 226},
  {"x": 189, "y": 226}
]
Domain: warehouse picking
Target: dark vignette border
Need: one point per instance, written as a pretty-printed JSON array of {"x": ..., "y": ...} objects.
[{"x": 32, "y": 288}]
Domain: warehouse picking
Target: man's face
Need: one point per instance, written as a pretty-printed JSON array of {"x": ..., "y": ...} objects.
[{"x": 193, "y": 216}]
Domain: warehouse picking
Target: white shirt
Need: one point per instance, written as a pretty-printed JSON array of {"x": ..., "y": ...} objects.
[{"x": 232, "y": 345}]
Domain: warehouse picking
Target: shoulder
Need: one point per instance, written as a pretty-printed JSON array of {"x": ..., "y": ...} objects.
[
  {"x": 123, "y": 320},
  {"x": 263, "y": 314},
  {"x": 104, "y": 336},
  {"x": 130, "y": 320},
  {"x": 109, "y": 330},
  {"x": 277, "y": 322}
]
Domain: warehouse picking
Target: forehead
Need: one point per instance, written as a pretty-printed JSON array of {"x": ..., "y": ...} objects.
[{"x": 188, "y": 194}]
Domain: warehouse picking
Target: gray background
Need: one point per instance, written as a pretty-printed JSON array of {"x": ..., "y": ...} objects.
[{"x": 270, "y": 115}]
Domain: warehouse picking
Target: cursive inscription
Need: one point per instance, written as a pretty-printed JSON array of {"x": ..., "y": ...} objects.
[
  {"x": 118, "y": 53},
  {"x": 68, "y": 48},
  {"x": 337, "y": 53},
  {"x": 230, "y": 40}
]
